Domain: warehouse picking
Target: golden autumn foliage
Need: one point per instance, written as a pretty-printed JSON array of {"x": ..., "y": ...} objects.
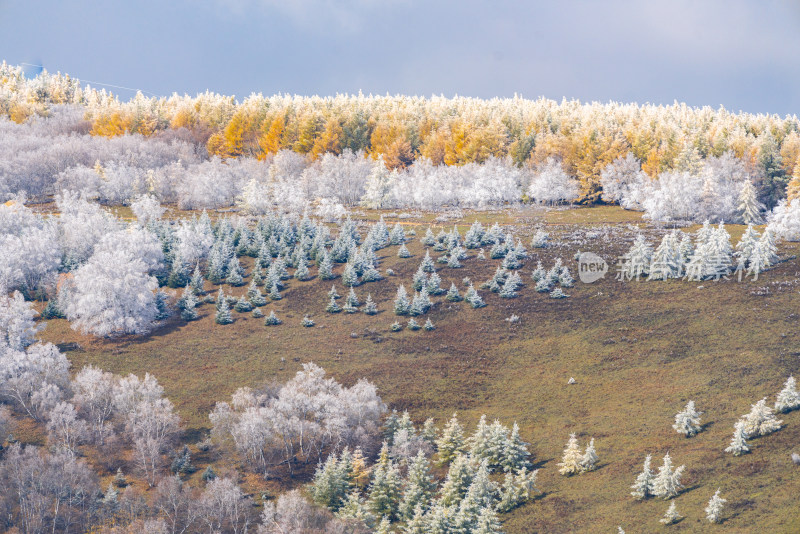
[{"x": 451, "y": 131}]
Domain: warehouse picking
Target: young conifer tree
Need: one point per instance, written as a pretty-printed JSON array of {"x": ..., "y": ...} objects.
[
  {"x": 714, "y": 508},
  {"x": 687, "y": 421},
  {"x": 401, "y": 303},
  {"x": 223, "y": 315},
  {"x": 590, "y": 458},
  {"x": 788, "y": 397},
  {"x": 369, "y": 305},
  {"x": 571, "y": 459},
  {"x": 451, "y": 441},
  {"x": 643, "y": 486},
  {"x": 667, "y": 483},
  {"x": 738, "y": 445},
  {"x": 671, "y": 515}
]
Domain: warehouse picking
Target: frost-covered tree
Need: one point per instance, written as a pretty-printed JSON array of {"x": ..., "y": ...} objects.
[
  {"x": 636, "y": 262},
  {"x": 452, "y": 294},
  {"x": 18, "y": 326},
  {"x": 761, "y": 420},
  {"x": 93, "y": 394},
  {"x": 111, "y": 294},
  {"x": 785, "y": 220},
  {"x": 457, "y": 481},
  {"x": 332, "y": 306},
  {"x": 403, "y": 252},
  {"x": 243, "y": 305},
  {"x": 350, "y": 275},
  {"x": 687, "y": 421},
  {"x": 738, "y": 445},
  {"x": 643, "y": 486},
  {"x": 551, "y": 184},
  {"x": 418, "y": 487},
  {"x": 385, "y": 489},
  {"x": 623, "y": 181},
  {"x": 34, "y": 379},
  {"x": 331, "y": 483},
  {"x": 147, "y": 209},
  {"x": 370, "y": 308},
  {"x": 473, "y": 298},
  {"x": 272, "y": 319},
  {"x": 589, "y": 459},
  {"x": 235, "y": 272},
  {"x": 667, "y": 483},
  {"x": 326, "y": 267},
  {"x": 666, "y": 261},
  {"x": 451, "y": 441},
  {"x": 401, "y": 303},
  {"x": 224, "y": 507},
  {"x": 571, "y": 459},
  {"x": 747, "y": 244},
  {"x": 223, "y": 315},
  {"x": 671, "y": 516},
  {"x": 749, "y": 206},
  {"x": 151, "y": 426},
  {"x": 65, "y": 429},
  {"x": 487, "y": 522},
  {"x": 714, "y": 508},
  {"x": 397, "y": 236},
  {"x": 788, "y": 397}
]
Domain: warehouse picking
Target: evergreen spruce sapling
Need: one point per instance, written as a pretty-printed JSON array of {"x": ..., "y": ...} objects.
[
  {"x": 738, "y": 445},
  {"x": 243, "y": 305},
  {"x": 571, "y": 459},
  {"x": 369, "y": 306},
  {"x": 275, "y": 293},
  {"x": 234, "y": 277},
  {"x": 352, "y": 299},
  {"x": 590, "y": 458},
  {"x": 196, "y": 281},
  {"x": 761, "y": 420},
  {"x": 714, "y": 509},
  {"x": 401, "y": 304},
  {"x": 223, "y": 315},
  {"x": 272, "y": 319},
  {"x": 162, "y": 306},
  {"x": 301, "y": 272},
  {"x": 643, "y": 486},
  {"x": 350, "y": 275},
  {"x": 667, "y": 483},
  {"x": 452, "y": 294},
  {"x": 749, "y": 206},
  {"x": 451, "y": 441},
  {"x": 332, "y": 306},
  {"x": 333, "y": 293},
  {"x": 788, "y": 397},
  {"x": 671, "y": 516},
  {"x": 326, "y": 268},
  {"x": 687, "y": 421}
]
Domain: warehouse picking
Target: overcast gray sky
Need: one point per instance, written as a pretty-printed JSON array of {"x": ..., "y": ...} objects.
[{"x": 744, "y": 55}]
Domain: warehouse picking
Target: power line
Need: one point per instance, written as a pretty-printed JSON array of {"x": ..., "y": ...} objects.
[{"x": 99, "y": 83}]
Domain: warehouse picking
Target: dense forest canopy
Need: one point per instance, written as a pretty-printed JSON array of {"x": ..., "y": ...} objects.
[{"x": 402, "y": 130}]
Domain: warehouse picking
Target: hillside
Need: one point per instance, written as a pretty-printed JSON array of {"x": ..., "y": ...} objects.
[{"x": 638, "y": 351}]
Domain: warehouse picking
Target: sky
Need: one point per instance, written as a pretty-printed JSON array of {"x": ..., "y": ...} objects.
[{"x": 740, "y": 54}]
